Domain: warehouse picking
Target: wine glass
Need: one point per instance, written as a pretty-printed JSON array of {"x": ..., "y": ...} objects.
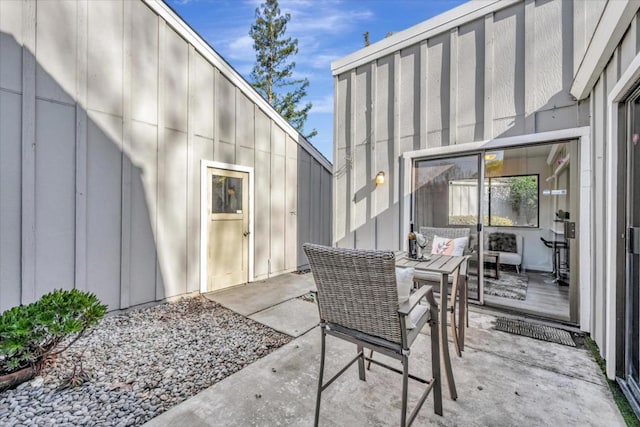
[{"x": 421, "y": 241}]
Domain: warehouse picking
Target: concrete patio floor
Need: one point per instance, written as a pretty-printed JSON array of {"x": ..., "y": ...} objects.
[{"x": 502, "y": 379}]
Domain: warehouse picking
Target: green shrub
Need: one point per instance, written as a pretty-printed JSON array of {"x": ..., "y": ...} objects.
[
  {"x": 473, "y": 219},
  {"x": 30, "y": 333}
]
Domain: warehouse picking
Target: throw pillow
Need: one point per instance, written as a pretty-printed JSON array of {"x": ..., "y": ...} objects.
[
  {"x": 404, "y": 280},
  {"x": 453, "y": 247}
]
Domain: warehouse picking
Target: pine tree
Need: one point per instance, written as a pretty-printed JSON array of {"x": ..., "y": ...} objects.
[{"x": 273, "y": 72}]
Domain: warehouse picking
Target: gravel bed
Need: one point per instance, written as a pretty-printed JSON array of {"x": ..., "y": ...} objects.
[{"x": 141, "y": 363}]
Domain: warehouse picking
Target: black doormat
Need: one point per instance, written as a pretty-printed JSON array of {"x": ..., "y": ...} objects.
[{"x": 532, "y": 330}]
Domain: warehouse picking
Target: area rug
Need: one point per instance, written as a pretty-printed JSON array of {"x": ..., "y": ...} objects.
[
  {"x": 532, "y": 330},
  {"x": 509, "y": 285}
]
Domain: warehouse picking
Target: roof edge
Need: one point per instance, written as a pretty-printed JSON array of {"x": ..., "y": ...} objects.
[
  {"x": 208, "y": 52},
  {"x": 427, "y": 29},
  {"x": 614, "y": 21}
]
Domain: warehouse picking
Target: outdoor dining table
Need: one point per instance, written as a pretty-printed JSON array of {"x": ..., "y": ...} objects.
[{"x": 444, "y": 266}]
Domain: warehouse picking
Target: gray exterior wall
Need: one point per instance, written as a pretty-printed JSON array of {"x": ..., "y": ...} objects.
[
  {"x": 617, "y": 64},
  {"x": 106, "y": 112},
  {"x": 503, "y": 73}
]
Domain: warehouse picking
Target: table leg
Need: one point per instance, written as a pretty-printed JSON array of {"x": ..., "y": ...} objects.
[
  {"x": 462, "y": 311},
  {"x": 444, "y": 342}
]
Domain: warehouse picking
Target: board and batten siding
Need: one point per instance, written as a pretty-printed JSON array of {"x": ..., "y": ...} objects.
[
  {"x": 616, "y": 65},
  {"x": 107, "y": 109},
  {"x": 481, "y": 71}
]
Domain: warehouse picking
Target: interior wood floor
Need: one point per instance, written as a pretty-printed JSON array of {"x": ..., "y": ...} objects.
[{"x": 543, "y": 299}]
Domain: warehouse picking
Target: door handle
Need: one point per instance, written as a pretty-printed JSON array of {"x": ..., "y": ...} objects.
[{"x": 246, "y": 233}]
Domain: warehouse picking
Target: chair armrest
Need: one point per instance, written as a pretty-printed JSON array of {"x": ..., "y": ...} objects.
[
  {"x": 425, "y": 291},
  {"x": 463, "y": 266}
]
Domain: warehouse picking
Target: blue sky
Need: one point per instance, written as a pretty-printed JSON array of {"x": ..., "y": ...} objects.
[{"x": 326, "y": 30}]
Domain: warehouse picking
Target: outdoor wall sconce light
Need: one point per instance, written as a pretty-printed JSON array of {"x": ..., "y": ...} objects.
[{"x": 379, "y": 178}]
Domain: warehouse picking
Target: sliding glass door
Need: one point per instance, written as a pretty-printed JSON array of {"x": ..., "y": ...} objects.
[
  {"x": 515, "y": 209},
  {"x": 530, "y": 208},
  {"x": 447, "y": 206},
  {"x": 631, "y": 376}
]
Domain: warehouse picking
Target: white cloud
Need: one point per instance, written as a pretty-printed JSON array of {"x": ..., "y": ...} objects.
[
  {"x": 323, "y": 105},
  {"x": 322, "y": 61},
  {"x": 313, "y": 23},
  {"x": 241, "y": 48},
  {"x": 311, "y": 18}
]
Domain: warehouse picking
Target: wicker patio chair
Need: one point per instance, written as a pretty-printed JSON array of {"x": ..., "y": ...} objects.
[{"x": 357, "y": 299}]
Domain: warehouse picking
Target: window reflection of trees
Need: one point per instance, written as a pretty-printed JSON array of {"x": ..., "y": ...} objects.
[{"x": 227, "y": 194}]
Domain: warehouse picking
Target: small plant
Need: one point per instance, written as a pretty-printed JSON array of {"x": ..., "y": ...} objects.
[
  {"x": 30, "y": 334},
  {"x": 473, "y": 219},
  {"x": 78, "y": 377}
]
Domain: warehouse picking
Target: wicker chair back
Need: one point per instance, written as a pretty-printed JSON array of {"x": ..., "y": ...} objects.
[{"x": 357, "y": 289}]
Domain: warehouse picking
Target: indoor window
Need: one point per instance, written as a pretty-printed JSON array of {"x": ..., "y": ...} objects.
[{"x": 512, "y": 201}]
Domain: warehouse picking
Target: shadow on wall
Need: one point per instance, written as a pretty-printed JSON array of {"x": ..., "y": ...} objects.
[
  {"x": 561, "y": 110},
  {"x": 376, "y": 218},
  {"x": 81, "y": 192},
  {"x": 103, "y": 130},
  {"x": 314, "y": 206}
]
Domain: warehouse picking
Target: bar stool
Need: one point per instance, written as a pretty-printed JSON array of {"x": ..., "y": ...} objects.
[{"x": 555, "y": 245}]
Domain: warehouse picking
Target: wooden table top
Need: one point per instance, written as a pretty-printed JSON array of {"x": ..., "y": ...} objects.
[{"x": 437, "y": 263}]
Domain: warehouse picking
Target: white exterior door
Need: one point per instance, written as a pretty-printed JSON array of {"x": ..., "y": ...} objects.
[{"x": 227, "y": 228}]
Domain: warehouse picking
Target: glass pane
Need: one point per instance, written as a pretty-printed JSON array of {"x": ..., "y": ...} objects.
[
  {"x": 446, "y": 192},
  {"x": 512, "y": 201},
  {"x": 446, "y": 205},
  {"x": 526, "y": 209},
  {"x": 634, "y": 260},
  {"x": 227, "y": 194}
]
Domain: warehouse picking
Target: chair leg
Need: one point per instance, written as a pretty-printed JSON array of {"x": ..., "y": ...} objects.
[
  {"x": 435, "y": 363},
  {"x": 369, "y": 361},
  {"x": 320, "y": 376},
  {"x": 361, "y": 363},
  {"x": 454, "y": 332},
  {"x": 405, "y": 386}
]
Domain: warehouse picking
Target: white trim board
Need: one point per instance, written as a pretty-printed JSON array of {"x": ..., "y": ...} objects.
[
  {"x": 204, "y": 165},
  {"x": 583, "y": 136},
  {"x": 617, "y": 95},
  {"x": 614, "y": 21},
  {"x": 535, "y": 138},
  {"x": 182, "y": 28},
  {"x": 437, "y": 25}
]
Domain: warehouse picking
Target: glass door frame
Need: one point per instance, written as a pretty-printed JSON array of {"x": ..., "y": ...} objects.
[
  {"x": 574, "y": 291},
  {"x": 630, "y": 336},
  {"x": 479, "y": 217}
]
